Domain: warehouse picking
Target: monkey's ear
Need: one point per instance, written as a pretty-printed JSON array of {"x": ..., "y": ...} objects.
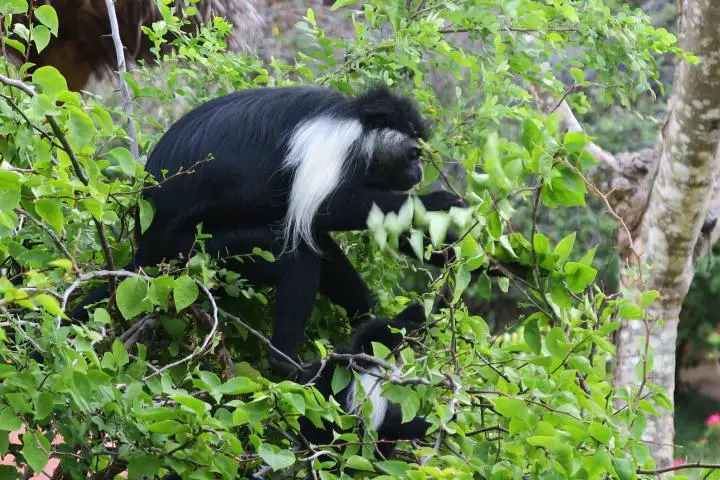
[
  {"x": 380, "y": 107},
  {"x": 413, "y": 317},
  {"x": 375, "y": 106}
]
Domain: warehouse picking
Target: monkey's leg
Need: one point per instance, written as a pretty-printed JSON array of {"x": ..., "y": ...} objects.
[
  {"x": 295, "y": 275},
  {"x": 393, "y": 429},
  {"x": 341, "y": 283},
  {"x": 295, "y": 295}
]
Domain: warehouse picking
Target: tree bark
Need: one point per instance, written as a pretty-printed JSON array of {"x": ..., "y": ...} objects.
[{"x": 678, "y": 202}]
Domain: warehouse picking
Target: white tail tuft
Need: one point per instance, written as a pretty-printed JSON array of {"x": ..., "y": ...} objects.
[
  {"x": 318, "y": 150},
  {"x": 372, "y": 386}
]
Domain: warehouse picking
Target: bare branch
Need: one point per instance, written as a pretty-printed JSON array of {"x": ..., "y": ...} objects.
[
  {"x": 674, "y": 468},
  {"x": 263, "y": 339},
  {"x": 124, "y": 90}
]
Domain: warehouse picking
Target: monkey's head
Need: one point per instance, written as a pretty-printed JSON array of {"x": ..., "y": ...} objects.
[{"x": 393, "y": 130}]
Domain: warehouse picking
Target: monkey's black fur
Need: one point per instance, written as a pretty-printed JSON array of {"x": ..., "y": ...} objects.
[
  {"x": 288, "y": 166},
  {"x": 391, "y": 429}
]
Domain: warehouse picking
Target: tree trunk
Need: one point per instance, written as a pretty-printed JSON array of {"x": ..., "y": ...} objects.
[{"x": 678, "y": 202}]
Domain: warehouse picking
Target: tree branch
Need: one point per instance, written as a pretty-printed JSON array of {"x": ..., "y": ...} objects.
[
  {"x": 77, "y": 167},
  {"x": 124, "y": 90},
  {"x": 48, "y": 229}
]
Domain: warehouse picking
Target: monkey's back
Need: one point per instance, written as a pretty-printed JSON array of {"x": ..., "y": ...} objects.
[{"x": 245, "y": 134}]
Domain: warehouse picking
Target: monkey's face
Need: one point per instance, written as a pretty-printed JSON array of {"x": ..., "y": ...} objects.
[{"x": 395, "y": 165}]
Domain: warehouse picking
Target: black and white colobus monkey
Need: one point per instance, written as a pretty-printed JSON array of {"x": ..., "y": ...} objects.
[
  {"x": 289, "y": 166},
  {"x": 386, "y": 417}
]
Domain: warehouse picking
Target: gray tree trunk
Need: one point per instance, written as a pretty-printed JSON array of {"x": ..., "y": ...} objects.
[{"x": 678, "y": 202}]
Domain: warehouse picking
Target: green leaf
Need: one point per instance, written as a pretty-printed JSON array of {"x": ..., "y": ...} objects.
[
  {"x": 166, "y": 427},
  {"x": 9, "y": 421},
  {"x": 81, "y": 129},
  {"x": 416, "y": 240},
  {"x": 50, "y": 80},
  {"x": 63, "y": 263},
  {"x": 9, "y": 191},
  {"x": 381, "y": 350},
  {"x": 541, "y": 243},
  {"x": 132, "y": 297},
  {"x": 544, "y": 441},
  {"x": 493, "y": 164},
  {"x": 531, "y": 134},
  {"x": 648, "y": 298},
  {"x": 630, "y": 311},
  {"x": 439, "y": 223},
  {"x": 264, "y": 254},
  {"x": 624, "y": 468},
  {"x": 580, "y": 363},
  {"x": 8, "y": 7},
  {"x": 50, "y": 211},
  {"x": 600, "y": 432},
  {"x": 409, "y": 406},
  {"x": 160, "y": 290},
  {"x": 4, "y": 446},
  {"x": 564, "y": 248},
  {"x": 102, "y": 316},
  {"x": 35, "y": 450},
  {"x": 50, "y": 304},
  {"x": 341, "y": 3},
  {"x": 578, "y": 276},
  {"x": 141, "y": 466},
  {"x": 275, "y": 457},
  {"x": 41, "y": 37},
  {"x": 237, "y": 386},
  {"x": 532, "y": 336},
  {"x": 47, "y": 16},
  {"x": 462, "y": 280},
  {"x": 124, "y": 159},
  {"x": 484, "y": 286},
  {"x": 556, "y": 343},
  {"x": 511, "y": 408},
  {"x": 341, "y": 378},
  {"x": 191, "y": 402},
  {"x": 359, "y": 463},
  {"x": 120, "y": 353},
  {"x": 44, "y": 403},
  {"x": 574, "y": 141},
  {"x": 185, "y": 292},
  {"x": 17, "y": 45},
  {"x": 393, "y": 467}
]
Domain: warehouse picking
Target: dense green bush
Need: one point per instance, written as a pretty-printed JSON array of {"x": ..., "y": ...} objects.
[{"x": 538, "y": 404}]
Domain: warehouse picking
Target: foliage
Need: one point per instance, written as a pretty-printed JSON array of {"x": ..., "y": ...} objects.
[{"x": 537, "y": 404}]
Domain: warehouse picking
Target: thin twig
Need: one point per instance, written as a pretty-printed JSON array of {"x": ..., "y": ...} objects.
[
  {"x": 124, "y": 90},
  {"x": 674, "y": 468},
  {"x": 205, "y": 343},
  {"x": 51, "y": 233},
  {"x": 263, "y": 339},
  {"x": 42, "y": 132},
  {"x": 536, "y": 265}
]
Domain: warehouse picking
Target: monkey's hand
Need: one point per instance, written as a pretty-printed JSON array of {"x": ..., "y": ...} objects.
[{"x": 442, "y": 201}]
